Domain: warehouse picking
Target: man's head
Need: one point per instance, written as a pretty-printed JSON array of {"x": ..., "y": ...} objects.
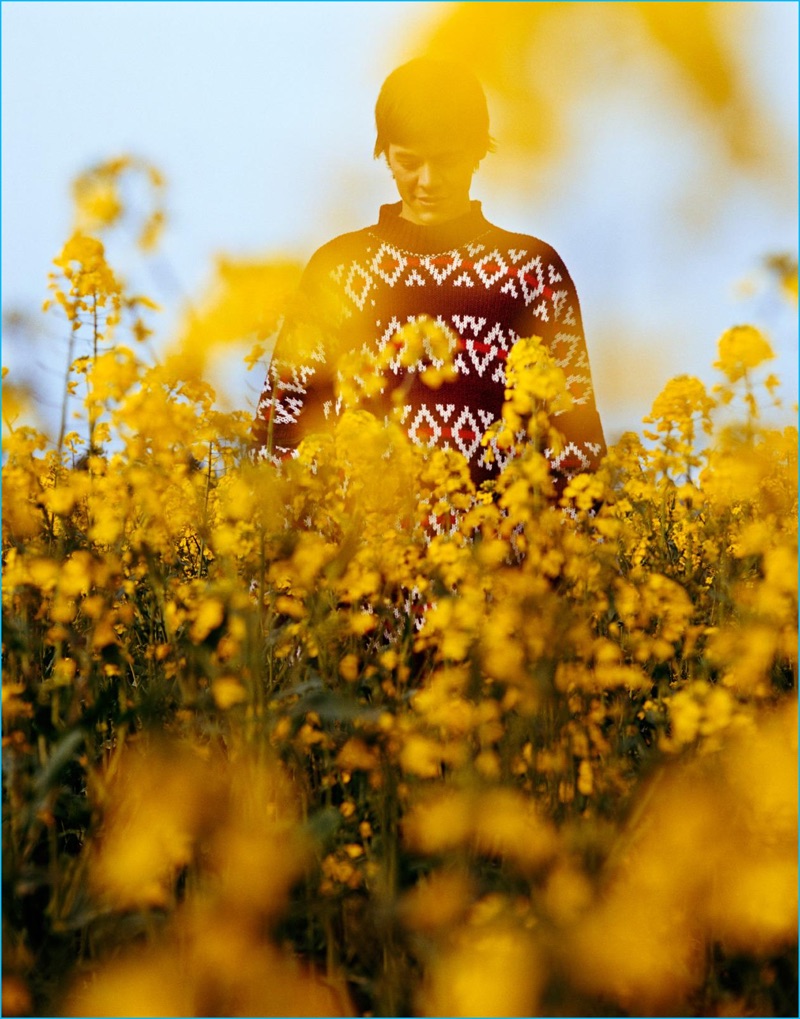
[{"x": 433, "y": 128}]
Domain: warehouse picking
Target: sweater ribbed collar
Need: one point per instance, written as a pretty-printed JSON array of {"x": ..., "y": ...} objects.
[{"x": 429, "y": 240}]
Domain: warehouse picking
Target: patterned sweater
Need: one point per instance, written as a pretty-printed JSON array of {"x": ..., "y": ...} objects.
[{"x": 487, "y": 285}]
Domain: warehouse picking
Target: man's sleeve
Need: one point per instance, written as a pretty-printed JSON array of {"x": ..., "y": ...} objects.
[
  {"x": 584, "y": 443},
  {"x": 298, "y": 395}
]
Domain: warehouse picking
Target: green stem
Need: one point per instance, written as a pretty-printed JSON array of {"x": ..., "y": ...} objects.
[
  {"x": 90, "y": 407},
  {"x": 63, "y": 425}
]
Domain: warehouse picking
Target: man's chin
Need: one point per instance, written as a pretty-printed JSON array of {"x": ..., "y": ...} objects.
[{"x": 432, "y": 215}]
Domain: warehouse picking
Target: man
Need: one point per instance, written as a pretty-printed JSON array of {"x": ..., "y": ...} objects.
[{"x": 432, "y": 254}]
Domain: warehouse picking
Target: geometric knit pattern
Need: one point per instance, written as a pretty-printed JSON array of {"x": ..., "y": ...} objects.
[{"x": 488, "y": 286}]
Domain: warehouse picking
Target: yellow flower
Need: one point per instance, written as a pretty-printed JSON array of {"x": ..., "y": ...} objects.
[
  {"x": 13, "y": 704},
  {"x": 421, "y": 756},
  {"x": 349, "y": 667},
  {"x": 437, "y": 902},
  {"x": 228, "y": 692},
  {"x": 361, "y": 623},
  {"x": 506, "y": 825},
  {"x": 488, "y": 970},
  {"x": 209, "y": 616},
  {"x": 438, "y": 823},
  {"x": 154, "y": 806},
  {"x": 242, "y": 303},
  {"x": 356, "y": 755},
  {"x": 92, "y": 283},
  {"x": 99, "y": 205},
  {"x": 741, "y": 349}
]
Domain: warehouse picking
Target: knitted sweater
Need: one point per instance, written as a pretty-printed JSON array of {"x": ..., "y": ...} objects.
[{"x": 487, "y": 285}]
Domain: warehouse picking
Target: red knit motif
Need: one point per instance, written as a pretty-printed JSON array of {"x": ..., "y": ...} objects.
[{"x": 488, "y": 286}]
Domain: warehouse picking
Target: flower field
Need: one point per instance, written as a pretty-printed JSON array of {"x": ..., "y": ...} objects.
[{"x": 347, "y": 737}]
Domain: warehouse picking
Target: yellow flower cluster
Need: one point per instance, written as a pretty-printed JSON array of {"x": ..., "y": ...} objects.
[
  {"x": 109, "y": 193},
  {"x": 422, "y": 346},
  {"x": 91, "y": 281}
]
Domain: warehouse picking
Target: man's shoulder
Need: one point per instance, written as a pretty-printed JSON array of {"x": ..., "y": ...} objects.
[
  {"x": 340, "y": 249},
  {"x": 517, "y": 242}
]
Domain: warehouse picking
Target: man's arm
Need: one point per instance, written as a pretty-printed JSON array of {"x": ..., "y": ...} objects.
[
  {"x": 584, "y": 442},
  {"x": 298, "y": 396}
]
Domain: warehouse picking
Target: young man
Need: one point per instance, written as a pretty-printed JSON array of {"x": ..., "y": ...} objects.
[{"x": 431, "y": 254}]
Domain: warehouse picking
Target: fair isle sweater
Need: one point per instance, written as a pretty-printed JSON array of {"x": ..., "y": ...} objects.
[{"x": 488, "y": 286}]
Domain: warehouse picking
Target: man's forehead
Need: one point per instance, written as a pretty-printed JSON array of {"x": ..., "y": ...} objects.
[{"x": 428, "y": 149}]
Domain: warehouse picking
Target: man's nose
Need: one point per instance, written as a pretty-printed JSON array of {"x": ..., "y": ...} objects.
[{"x": 427, "y": 175}]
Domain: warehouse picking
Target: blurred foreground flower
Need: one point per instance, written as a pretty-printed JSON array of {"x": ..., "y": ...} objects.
[
  {"x": 176, "y": 814},
  {"x": 712, "y": 853}
]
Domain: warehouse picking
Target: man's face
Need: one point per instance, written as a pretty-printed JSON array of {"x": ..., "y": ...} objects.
[{"x": 433, "y": 181}]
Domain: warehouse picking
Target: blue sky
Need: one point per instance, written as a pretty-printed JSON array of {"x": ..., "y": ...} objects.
[{"x": 260, "y": 117}]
